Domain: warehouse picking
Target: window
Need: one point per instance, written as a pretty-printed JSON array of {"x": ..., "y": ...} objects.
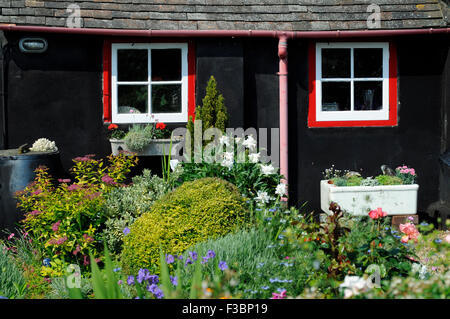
[
  {"x": 148, "y": 82},
  {"x": 352, "y": 84}
]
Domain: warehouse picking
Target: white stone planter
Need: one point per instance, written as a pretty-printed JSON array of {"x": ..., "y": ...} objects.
[
  {"x": 359, "y": 200},
  {"x": 157, "y": 147}
]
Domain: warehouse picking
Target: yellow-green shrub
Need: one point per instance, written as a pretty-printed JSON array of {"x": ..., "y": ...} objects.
[{"x": 194, "y": 212}]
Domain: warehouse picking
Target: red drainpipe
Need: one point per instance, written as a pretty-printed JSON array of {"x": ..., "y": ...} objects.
[
  {"x": 283, "y": 74},
  {"x": 282, "y": 53}
]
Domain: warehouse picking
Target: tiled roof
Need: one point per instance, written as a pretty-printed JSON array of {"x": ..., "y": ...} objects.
[{"x": 286, "y": 15}]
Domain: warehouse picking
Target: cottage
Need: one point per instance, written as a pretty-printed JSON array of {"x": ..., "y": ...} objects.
[{"x": 356, "y": 84}]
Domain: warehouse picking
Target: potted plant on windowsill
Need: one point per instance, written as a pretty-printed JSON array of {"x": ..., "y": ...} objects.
[
  {"x": 395, "y": 191},
  {"x": 144, "y": 139}
]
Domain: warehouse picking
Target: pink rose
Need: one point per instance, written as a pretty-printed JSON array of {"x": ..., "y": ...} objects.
[{"x": 378, "y": 213}]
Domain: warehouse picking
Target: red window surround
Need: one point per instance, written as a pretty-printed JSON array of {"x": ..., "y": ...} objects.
[
  {"x": 393, "y": 118},
  {"x": 107, "y": 73}
]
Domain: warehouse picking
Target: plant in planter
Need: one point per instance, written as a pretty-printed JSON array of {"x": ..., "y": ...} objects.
[
  {"x": 396, "y": 190},
  {"x": 143, "y": 139}
]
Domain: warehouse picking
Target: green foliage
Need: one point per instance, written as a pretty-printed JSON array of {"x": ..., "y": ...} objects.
[
  {"x": 192, "y": 213},
  {"x": 389, "y": 180},
  {"x": 12, "y": 281},
  {"x": 369, "y": 181},
  {"x": 339, "y": 181},
  {"x": 245, "y": 174},
  {"x": 124, "y": 205},
  {"x": 354, "y": 181},
  {"x": 257, "y": 263},
  {"x": 213, "y": 112},
  {"x": 138, "y": 137},
  {"x": 434, "y": 287},
  {"x": 117, "y": 134},
  {"x": 66, "y": 219},
  {"x": 373, "y": 242}
]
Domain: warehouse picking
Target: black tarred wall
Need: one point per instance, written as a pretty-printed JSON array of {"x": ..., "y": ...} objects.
[{"x": 58, "y": 95}]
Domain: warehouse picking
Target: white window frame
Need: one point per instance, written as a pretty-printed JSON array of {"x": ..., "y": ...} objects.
[
  {"x": 352, "y": 115},
  {"x": 149, "y": 117}
]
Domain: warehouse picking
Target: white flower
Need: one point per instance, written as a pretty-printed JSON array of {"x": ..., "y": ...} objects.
[
  {"x": 174, "y": 163},
  {"x": 228, "y": 156},
  {"x": 281, "y": 189},
  {"x": 267, "y": 169},
  {"x": 262, "y": 197},
  {"x": 237, "y": 139},
  {"x": 43, "y": 145},
  {"x": 228, "y": 161},
  {"x": 250, "y": 142},
  {"x": 224, "y": 140},
  {"x": 254, "y": 157},
  {"x": 354, "y": 285}
]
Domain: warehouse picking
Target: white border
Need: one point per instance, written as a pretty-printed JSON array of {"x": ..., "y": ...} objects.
[
  {"x": 150, "y": 117},
  {"x": 352, "y": 115}
]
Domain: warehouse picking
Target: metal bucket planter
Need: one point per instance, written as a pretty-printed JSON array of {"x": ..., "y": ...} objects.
[
  {"x": 359, "y": 200},
  {"x": 156, "y": 147}
]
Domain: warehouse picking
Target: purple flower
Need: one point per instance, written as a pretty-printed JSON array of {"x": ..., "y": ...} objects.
[
  {"x": 126, "y": 231},
  {"x": 174, "y": 280},
  {"x": 153, "y": 279},
  {"x": 205, "y": 260},
  {"x": 180, "y": 257},
  {"x": 64, "y": 180},
  {"x": 193, "y": 255},
  {"x": 170, "y": 259},
  {"x": 143, "y": 274},
  {"x": 210, "y": 254},
  {"x": 155, "y": 290},
  {"x": 108, "y": 180},
  {"x": 223, "y": 265},
  {"x": 130, "y": 280},
  {"x": 188, "y": 261},
  {"x": 73, "y": 187},
  {"x": 120, "y": 282}
]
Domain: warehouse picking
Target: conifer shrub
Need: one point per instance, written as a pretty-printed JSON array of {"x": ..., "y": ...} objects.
[
  {"x": 213, "y": 112},
  {"x": 194, "y": 212}
]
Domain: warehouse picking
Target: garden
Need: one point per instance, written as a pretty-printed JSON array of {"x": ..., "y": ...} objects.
[{"x": 211, "y": 230}]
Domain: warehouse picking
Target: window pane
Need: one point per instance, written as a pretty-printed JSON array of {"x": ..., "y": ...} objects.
[
  {"x": 166, "y": 98},
  {"x": 368, "y": 63},
  {"x": 133, "y": 99},
  {"x": 132, "y": 65},
  {"x": 335, "y": 63},
  {"x": 166, "y": 65},
  {"x": 335, "y": 96},
  {"x": 368, "y": 95}
]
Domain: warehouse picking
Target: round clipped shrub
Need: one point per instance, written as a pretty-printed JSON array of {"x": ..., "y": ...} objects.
[{"x": 194, "y": 212}]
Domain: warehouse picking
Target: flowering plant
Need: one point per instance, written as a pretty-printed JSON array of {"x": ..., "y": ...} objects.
[
  {"x": 407, "y": 175},
  {"x": 115, "y": 132},
  {"x": 65, "y": 217},
  {"x": 43, "y": 145},
  {"x": 240, "y": 165},
  {"x": 401, "y": 176}
]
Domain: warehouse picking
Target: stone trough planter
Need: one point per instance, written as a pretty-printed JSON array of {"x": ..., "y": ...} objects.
[
  {"x": 359, "y": 200},
  {"x": 156, "y": 147}
]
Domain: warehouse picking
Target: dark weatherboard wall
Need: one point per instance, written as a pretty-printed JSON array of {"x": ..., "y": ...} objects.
[
  {"x": 58, "y": 95},
  {"x": 416, "y": 141}
]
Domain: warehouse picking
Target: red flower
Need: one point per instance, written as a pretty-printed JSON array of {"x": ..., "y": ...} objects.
[
  {"x": 112, "y": 127},
  {"x": 160, "y": 126},
  {"x": 377, "y": 213}
]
